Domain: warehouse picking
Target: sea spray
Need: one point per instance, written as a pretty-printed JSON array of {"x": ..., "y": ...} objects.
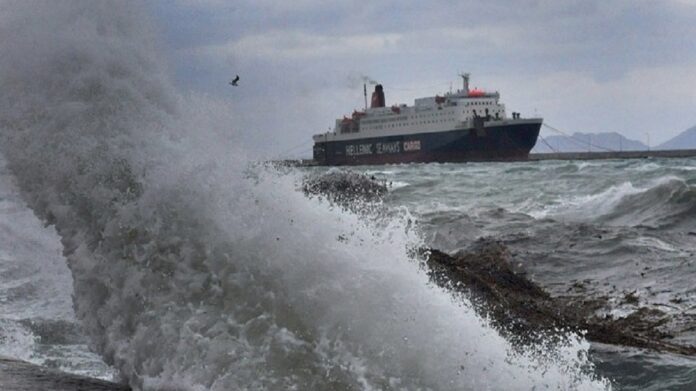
[{"x": 191, "y": 272}]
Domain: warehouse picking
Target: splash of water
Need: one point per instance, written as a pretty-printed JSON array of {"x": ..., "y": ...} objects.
[{"x": 191, "y": 272}]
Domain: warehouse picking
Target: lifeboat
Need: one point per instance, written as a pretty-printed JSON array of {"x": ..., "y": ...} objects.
[{"x": 358, "y": 114}]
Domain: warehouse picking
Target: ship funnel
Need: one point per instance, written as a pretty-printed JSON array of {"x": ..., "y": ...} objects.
[
  {"x": 465, "y": 80},
  {"x": 378, "y": 97}
]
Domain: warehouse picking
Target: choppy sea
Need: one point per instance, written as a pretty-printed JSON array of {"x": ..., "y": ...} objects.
[
  {"x": 617, "y": 227},
  {"x": 138, "y": 243}
]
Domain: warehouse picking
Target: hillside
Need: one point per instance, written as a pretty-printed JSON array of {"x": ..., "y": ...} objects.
[
  {"x": 684, "y": 140},
  {"x": 588, "y": 142}
]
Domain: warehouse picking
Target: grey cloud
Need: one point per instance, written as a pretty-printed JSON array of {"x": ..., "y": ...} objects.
[{"x": 296, "y": 54}]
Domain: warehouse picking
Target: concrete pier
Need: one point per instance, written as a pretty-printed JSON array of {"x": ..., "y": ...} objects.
[{"x": 675, "y": 153}]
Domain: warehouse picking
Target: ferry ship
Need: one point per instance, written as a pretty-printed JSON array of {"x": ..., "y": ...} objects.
[{"x": 466, "y": 125}]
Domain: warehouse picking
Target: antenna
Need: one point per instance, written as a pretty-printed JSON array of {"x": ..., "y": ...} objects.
[{"x": 365, "y": 93}]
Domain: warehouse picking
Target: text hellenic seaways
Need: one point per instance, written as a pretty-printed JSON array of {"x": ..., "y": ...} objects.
[{"x": 381, "y": 148}]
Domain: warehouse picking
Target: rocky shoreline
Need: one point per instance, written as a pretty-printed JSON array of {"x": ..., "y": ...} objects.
[
  {"x": 524, "y": 312},
  {"x": 518, "y": 307},
  {"x": 486, "y": 274}
]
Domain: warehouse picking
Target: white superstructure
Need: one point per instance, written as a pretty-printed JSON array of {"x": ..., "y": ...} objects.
[{"x": 452, "y": 111}]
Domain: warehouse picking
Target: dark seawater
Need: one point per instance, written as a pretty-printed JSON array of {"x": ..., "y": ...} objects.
[{"x": 616, "y": 227}]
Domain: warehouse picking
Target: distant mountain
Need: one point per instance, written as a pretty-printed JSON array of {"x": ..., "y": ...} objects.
[
  {"x": 588, "y": 142},
  {"x": 684, "y": 140}
]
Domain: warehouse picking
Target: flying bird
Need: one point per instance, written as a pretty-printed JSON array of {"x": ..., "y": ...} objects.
[{"x": 235, "y": 81}]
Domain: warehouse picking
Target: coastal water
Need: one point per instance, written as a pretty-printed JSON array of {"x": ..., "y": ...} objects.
[
  {"x": 140, "y": 242},
  {"x": 616, "y": 226},
  {"x": 613, "y": 229}
]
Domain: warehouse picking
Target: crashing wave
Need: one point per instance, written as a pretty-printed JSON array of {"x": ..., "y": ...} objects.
[
  {"x": 190, "y": 275},
  {"x": 665, "y": 203}
]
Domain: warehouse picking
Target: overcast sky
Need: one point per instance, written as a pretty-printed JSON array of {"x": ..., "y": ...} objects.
[{"x": 588, "y": 66}]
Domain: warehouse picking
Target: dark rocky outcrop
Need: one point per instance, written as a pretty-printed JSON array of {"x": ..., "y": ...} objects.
[
  {"x": 348, "y": 189},
  {"x": 344, "y": 185},
  {"x": 524, "y": 312}
]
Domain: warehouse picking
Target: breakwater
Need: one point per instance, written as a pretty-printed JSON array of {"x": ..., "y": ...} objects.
[
  {"x": 676, "y": 153},
  {"x": 607, "y": 155}
]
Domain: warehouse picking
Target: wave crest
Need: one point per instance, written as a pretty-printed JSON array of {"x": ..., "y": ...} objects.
[{"x": 664, "y": 203}]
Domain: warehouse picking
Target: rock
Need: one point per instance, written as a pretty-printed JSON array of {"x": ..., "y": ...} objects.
[
  {"x": 344, "y": 187},
  {"x": 631, "y": 298},
  {"x": 525, "y": 313}
]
